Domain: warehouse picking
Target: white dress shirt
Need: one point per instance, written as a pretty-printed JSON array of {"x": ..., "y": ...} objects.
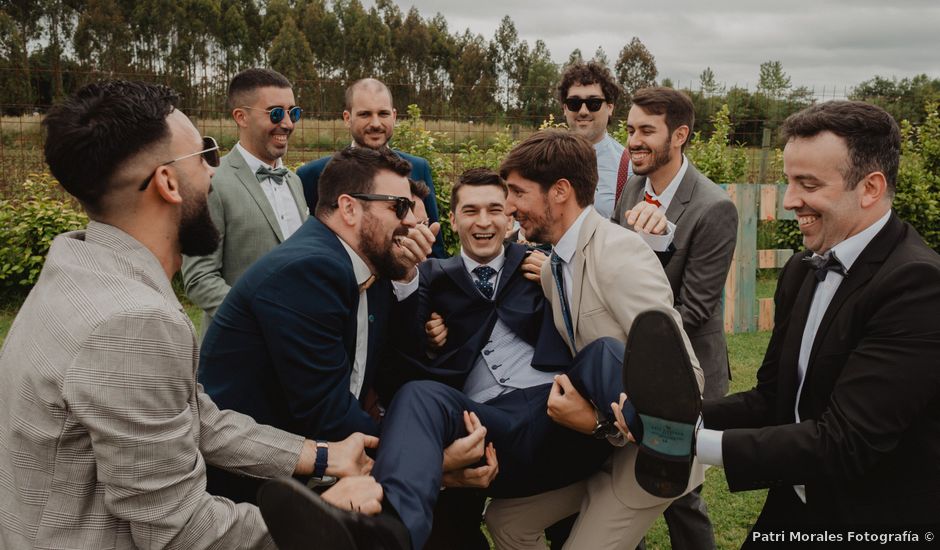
[
  {"x": 286, "y": 209},
  {"x": 660, "y": 243},
  {"x": 708, "y": 443},
  {"x": 565, "y": 248}
]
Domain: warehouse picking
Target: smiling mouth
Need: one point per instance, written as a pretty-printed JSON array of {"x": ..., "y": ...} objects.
[
  {"x": 280, "y": 139},
  {"x": 483, "y": 236},
  {"x": 639, "y": 155},
  {"x": 806, "y": 220}
]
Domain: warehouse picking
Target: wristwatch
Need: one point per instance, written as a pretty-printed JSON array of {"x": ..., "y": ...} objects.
[{"x": 603, "y": 429}]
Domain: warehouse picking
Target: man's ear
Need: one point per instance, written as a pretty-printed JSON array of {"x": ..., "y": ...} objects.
[
  {"x": 680, "y": 136},
  {"x": 874, "y": 188},
  {"x": 349, "y": 209},
  {"x": 346, "y": 116},
  {"x": 166, "y": 185},
  {"x": 562, "y": 190},
  {"x": 241, "y": 117}
]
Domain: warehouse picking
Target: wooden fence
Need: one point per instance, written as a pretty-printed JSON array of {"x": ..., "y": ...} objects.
[{"x": 743, "y": 312}]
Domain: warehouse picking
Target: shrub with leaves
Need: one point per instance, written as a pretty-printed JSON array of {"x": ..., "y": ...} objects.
[
  {"x": 412, "y": 137},
  {"x": 715, "y": 157},
  {"x": 28, "y": 223},
  {"x": 918, "y": 188}
]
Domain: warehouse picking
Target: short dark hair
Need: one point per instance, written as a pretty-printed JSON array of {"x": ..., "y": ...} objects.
[
  {"x": 551, "y": 154},
  {"x": 871, "y": 135},
  {"x": 250, "y": 80},
  {"x": 585, "y": 74},
  {"x": 477, "y": 177},
  {"x": 366, "y": 83},
  {"x": 90, "y": 135},
  {"x": 678, "y": 108},
  {"x": 419, "y": 188},
  {"x": 353, "y": 170}
]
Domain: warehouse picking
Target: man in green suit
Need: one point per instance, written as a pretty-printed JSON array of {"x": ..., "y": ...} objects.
[{"x": 256, "y": 203}]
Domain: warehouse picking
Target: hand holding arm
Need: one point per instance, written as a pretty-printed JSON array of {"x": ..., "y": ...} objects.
[
  {"x": 436, "y": 331},
  {"x": 468, "y": 449},
  {"x": 568, "y": 408}
]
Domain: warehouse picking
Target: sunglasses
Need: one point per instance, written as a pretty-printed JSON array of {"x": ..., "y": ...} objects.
[
  {"x": 210, "y": 154},
  {"x": 593, "y": 103},
  {"x": 402, "y": 205},
  {"x": 277, "y": 113}
]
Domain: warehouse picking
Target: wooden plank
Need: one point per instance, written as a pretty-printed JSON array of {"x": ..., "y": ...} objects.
[
  {"x": 765, "y": 319},
  {"x": 768, "y": 202},
  {"x": 741, "y": 285},
  {"x": 773, "y": 258},
  {"x": 782, "y": 213}
]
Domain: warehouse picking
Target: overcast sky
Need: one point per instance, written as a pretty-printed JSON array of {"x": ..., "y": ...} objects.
[{"x": 821, "y": 43}]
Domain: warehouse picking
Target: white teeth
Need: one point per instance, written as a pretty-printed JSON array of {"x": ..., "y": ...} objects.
[
  {"x": 806, "y": 220},
  {"x": 483, "y": 235}
]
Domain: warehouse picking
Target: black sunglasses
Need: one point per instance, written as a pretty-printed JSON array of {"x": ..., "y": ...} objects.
[
  {"x": 593, "y": 103},
  {"x": 277, "y": 113},
  {"x": 210, "y": 154},
  {"x": 402, "y": 205}
]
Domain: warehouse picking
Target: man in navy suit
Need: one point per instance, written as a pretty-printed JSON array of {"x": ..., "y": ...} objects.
[
  {"x": 370, "y": 117},
  {"x": 494, "y": 351},
  {"x": 296, "y": 342}
]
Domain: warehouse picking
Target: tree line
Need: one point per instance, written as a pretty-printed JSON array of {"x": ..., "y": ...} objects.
[{"x": 49, "y": 48}]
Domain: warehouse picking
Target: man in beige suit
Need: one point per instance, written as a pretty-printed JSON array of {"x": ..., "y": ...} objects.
[
  {"x": 104, "y": 433},
  {"x": 609, "y": 277},
  {"x": 256, "y": 202}
]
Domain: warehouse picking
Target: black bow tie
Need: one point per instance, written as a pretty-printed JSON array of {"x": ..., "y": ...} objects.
[{"x": 824, "y": 264}]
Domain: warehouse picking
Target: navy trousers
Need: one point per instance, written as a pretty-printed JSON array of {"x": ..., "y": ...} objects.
[{"x": 535, "y": 454}]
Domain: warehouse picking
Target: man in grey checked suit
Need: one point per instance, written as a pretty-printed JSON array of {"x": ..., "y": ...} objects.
[
  {"x": 256, "y": 203},
  {"x": 692, "y": 224},
  {"x": 104, "y": 432}
]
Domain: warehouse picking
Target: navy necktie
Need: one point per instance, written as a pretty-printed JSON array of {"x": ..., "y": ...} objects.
[
  {"x": 558, "y": 274},
  {"x": 824, "y": 264},
  {"x": 484, "y": 273},
  {"x": 277, "y": 175}
]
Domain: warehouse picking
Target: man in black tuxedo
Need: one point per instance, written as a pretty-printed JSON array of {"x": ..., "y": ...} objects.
[{"x": 843, "y": 425}]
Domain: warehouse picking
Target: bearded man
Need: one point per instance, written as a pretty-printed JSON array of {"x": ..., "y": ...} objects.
[{"x": 297, "y": 341}]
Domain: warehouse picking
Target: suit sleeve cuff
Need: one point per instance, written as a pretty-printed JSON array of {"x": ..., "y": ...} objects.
[
  {"x": 708, "y": 447},
  {"x": 404, "y": 290},
  {"x": 660, "y": 243}
]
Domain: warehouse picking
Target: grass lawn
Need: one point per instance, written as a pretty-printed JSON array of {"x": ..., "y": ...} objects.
[{"x": 732, "y": 513}]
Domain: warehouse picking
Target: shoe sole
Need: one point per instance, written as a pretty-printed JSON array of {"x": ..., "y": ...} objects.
[
  {"x": 298, "y": 519},
  {"x": 660, "y": 382}
]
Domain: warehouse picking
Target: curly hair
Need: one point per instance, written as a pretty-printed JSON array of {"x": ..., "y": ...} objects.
[{"x": 586, "y": 74}]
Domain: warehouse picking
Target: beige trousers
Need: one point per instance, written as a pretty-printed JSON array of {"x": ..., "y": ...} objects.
[{"x": 605, "y": 521}]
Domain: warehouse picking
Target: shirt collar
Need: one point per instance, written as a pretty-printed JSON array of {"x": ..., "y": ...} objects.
[
  {"x": 471, "y": 264},
  {"x": 670, "y": 191},
  {"x": 605, "y": 142},
  {"x": 568, "y": 243},
  {"x": 360, "y": 269},
  {"x": 850, "y": 249},
  {"x": 254, "y": 162}
]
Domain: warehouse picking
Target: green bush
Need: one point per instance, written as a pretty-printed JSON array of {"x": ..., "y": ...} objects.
[
  {"x": 918, "y": 188},
  {"x": 715, "y": 157},
  {"x": 28, "y": 223}
]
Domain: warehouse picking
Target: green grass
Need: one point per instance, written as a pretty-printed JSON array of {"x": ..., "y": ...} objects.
[{"x": 732, "y": 513}]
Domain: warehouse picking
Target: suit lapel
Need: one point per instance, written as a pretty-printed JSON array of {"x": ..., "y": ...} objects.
[
  {"x": 250, "y": 181},
  {"x": 683, "y": 195},
  {"x": 454, "y": 268},
  {"x": 297, "y": 191},
  {"x": 588, "y": 228},
  {"x": 864, "y": 268},
  {"x": 515, "y": 253},
  {"x": 788, "y": 368}
]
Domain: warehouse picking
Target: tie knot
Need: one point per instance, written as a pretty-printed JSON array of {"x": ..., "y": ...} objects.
[
  {"x": 277, "y": 174},
  {"x": 824, "y": 264},
  {"x": 649, "y": 198},
  {"x": 555, "y": 259},
  {"x": 484, "y": 272}
]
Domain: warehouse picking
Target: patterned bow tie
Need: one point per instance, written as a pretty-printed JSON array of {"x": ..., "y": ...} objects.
[
  {"x": 484, "y": 273},
  {"x": 278, "y": 174},
  {"x": 649, "y": 198},
  {"x": 824, "y": 264}
]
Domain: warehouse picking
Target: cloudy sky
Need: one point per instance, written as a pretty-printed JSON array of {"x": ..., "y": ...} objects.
[{"x": 821, "y": 43}]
